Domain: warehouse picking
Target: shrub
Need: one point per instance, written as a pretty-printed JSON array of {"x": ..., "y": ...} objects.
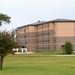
[{"x": 68, "y": 48}]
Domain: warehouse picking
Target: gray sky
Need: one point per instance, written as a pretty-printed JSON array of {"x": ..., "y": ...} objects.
[{"x": 24, "y": 12}]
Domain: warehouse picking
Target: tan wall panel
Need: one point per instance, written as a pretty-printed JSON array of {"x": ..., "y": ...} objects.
[
  {"x": 27, "y": 28},
  {"x": 51, "y": 26},
  {"x": 45, "y": 27},
  {"x": 64, "y": 29},
  {"x": 35, "y": 29},
  {"x": 21, "y": 30},
  {"x": 31, "y": 28},
  {"x": 39, "y": 27}
]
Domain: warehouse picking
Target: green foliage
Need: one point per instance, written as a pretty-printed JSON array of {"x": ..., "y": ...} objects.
[
  {"x": 5, "y": 38},
  {"x": 68, "y": 47},
  {"x": 7, "y": 43},
  {"x": 4, "y": 18}
]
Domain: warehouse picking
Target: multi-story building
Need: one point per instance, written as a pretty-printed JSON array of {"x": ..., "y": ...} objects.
[{"x": 46, "y": 36}]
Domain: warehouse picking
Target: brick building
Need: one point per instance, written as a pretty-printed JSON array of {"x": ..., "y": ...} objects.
[{"x": 46, "y": 36}]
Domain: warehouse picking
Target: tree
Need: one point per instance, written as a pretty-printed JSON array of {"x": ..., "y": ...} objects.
[
  {"x": 7, "y": 43},
  {"x": 4, "y": 19},
  {"x": 68, "y": 47},
  {"x": 7, "y": 40}
]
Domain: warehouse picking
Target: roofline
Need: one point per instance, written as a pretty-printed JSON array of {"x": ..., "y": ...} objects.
[
  {"x": 44, "y": 23},
  {"x": 32, "y": 25},
  {"x": 61, "y": 21}
]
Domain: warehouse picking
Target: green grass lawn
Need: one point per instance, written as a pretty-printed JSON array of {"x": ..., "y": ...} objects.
[{"x": 38, "y": 65}]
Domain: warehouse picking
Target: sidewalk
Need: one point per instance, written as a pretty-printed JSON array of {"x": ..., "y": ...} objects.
[{"x": 62, "y": 55}]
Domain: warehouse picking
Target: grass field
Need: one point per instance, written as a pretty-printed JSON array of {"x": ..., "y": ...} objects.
[{"x": 38, "y": 65}]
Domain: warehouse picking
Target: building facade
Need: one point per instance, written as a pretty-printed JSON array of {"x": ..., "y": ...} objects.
[{"x": 46, "y": 36}]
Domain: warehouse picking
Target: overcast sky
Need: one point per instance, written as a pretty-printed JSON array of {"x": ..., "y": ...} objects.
[{"x": 24, "y": 12}]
